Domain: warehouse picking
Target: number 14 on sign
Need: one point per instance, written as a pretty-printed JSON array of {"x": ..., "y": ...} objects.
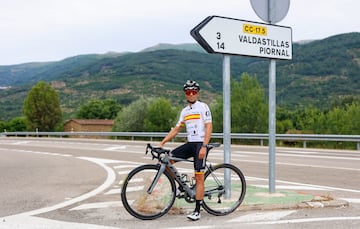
[{"x": 220, "y": 45}]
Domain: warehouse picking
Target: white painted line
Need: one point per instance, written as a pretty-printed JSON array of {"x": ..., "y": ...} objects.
[
  {"x": 124, "y": 166},
  {"x": 114, "y": 148},
  {"x": 351, "y": 200},
  {"x": 111, "y": 176},
  {"x": 307, "y": 185},
  {"x": 298, "y": 165},
  {"x": 113, "y": 191},
  {"x": 303, "y": 156},
  {"x": 293, "y": 187},
  {"x": 32, "y": 222},
  {"x": 97, "y": 205},
  {"x": 132, "y": 180},
  {"x": 191, "y": 227},
  {"x": 100, "y": 161},
  {"x": 20, "y": 143},
  {"x": 309, "y": 220},
  {"x": 320, "y": 186},
  {"x": 123, "y": 172},
  {"x": 262, "y": 216},
  {"x": 135, "y": 189},
  {"x": 221, "y": 154}
]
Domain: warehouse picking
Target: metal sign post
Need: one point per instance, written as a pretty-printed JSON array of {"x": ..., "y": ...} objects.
[
  {"x": 271, "y": 11},
  {"x": 226, "y": 121},
  {"x": 272, "y": 125},
  {"x": 226, "y": 108},
  {"x": 231, "y": 36}
]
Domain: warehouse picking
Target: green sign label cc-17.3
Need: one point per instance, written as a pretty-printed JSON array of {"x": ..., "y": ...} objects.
[{"x": 238, "y": 37}]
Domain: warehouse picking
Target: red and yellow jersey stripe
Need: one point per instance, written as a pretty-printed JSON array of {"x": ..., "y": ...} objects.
[{"x": 191, "y": 117}]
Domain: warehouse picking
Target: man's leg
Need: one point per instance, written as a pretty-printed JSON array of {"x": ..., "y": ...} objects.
[
  {"x": 199, "y": 177},
  {"x": 199, "y": 167}
]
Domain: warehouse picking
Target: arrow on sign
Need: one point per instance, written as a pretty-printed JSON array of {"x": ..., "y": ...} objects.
[{"x": 239, "y": 37}]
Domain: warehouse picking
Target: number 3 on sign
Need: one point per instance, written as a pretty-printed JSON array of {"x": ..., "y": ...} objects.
[{"x": 220, "y": 45}]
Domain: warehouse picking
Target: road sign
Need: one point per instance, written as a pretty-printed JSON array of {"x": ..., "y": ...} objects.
[
  {"x": 279, "y": 9},
  {"x": 239, "y": 37}
]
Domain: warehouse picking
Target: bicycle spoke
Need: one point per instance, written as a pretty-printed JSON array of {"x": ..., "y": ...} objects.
[
  {"x": 139, "y": 202},
  {"x": 224, "y": 189}
]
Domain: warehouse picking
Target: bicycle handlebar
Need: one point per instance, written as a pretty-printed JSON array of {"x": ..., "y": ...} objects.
[{"x": 156, "y": 152}]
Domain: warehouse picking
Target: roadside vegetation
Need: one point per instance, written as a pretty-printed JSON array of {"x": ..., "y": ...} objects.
[{"x": 249, "y": 114}]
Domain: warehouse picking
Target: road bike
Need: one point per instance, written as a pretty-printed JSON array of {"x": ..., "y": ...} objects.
[{"x": 149, "y": 191}]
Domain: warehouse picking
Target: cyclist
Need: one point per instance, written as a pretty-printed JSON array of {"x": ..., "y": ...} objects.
[{"x": 196, "y": 116}]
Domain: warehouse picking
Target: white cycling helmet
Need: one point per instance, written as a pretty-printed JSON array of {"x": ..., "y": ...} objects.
[{"x": 191, "y": 85}]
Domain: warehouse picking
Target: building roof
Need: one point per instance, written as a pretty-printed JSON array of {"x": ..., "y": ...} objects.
[{"x": 92, "y": 121}]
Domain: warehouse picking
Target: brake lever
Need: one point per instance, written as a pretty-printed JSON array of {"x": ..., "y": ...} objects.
[{"x": 148, "y": 147}]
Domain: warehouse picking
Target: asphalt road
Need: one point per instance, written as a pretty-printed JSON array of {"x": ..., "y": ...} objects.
[{"x": 75, "y": 183}]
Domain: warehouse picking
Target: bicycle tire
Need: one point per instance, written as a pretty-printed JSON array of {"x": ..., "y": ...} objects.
[
  {"x": 138, "y": 202},
  {"x": 223, "y": 201}
]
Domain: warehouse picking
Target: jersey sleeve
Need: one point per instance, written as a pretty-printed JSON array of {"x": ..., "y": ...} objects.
[
  {"x": 181, "y": 121},
  {"x": 207, "y": 114}
]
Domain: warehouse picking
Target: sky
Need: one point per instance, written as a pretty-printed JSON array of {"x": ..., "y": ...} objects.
[{"x": 52, "y": 30}]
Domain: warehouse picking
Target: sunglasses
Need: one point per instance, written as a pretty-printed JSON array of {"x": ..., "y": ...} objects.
[{"x": 191, "y": 92}]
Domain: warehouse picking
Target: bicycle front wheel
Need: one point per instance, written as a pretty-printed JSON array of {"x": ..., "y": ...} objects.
[
  {"x": 225, "y": 189},
  {"x": 138, "y": 202}
]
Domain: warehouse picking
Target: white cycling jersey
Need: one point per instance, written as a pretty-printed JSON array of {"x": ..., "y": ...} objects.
[{"x": 194, "y": 118}]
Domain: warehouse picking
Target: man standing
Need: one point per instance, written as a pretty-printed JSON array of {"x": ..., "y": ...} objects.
[{"x": 196, "y": 116}]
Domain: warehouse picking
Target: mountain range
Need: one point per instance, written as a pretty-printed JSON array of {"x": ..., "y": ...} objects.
[{"x": 320, "y": 72}]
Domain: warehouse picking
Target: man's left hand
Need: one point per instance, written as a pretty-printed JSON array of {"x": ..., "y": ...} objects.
[{"x": 202, "y": 152}]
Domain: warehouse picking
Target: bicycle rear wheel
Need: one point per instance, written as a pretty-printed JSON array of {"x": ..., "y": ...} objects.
[
  {"x": 225, "y": 189},
  {"x": 141, "y": 204}
]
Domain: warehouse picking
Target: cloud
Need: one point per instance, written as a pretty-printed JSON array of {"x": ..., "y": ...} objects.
[{"x": 41, "y": 30}]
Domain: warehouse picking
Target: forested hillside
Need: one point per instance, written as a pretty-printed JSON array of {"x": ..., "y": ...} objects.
[{"x": 320, "y": 73}]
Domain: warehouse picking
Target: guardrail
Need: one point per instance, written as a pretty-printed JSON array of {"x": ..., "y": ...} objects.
[{"x": 262, "y": 137}]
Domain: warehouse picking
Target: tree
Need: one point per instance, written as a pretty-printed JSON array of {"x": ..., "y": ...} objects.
[
  {"x": 249, "y": 113},
  {"x": 99, "y": 109},
  {"x": 42, "y": 108},
  {"x": 132, "y": 117},
  {"x": 344, "y": 121},
  {"x": 160, "y": 115},
  {"x": 16, "y": 124}
]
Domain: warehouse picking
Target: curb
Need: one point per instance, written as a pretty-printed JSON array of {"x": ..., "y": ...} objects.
[{"x": 317, "y": 202}]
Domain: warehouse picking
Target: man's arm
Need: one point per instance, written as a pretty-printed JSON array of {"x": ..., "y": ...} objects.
[
  {"x": 208, "y": 132},
  {"x": 173, "y": 132}
]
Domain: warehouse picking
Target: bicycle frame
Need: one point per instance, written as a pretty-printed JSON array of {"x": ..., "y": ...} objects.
[{"x": 165, "y": 163}]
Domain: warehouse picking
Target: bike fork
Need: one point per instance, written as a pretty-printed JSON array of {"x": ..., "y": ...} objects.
[{"x": 156, "y": 179}]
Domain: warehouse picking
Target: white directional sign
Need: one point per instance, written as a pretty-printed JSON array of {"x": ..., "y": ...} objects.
[{"x": 238, "y": 37}]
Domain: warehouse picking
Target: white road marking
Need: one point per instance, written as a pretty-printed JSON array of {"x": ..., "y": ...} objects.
[
  {"x": 302, "y": 156},
  {"x": 292, "y": 187},
  {"x": 351, "y": 200},
  {"x": 114, "y": 148},
  {"x": 132, "y": 180},
  {"x": 307, "y": 220},
  {"x": 320, "y": 186},
  {"x": 296, "y": 164},
  {"x": 32, "y": 222},
  {"x": 262, "y": 216},
  {"x": 113, "y": 191},
  {"x": 97, "y": 205},
  {"x": 124, "y": 166},
  {"x": 191, "y": 227},
  {"x": 111, "y": 176},
  {"x": 20, "y": 143},
  {"x": 307, "y": 185}
]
